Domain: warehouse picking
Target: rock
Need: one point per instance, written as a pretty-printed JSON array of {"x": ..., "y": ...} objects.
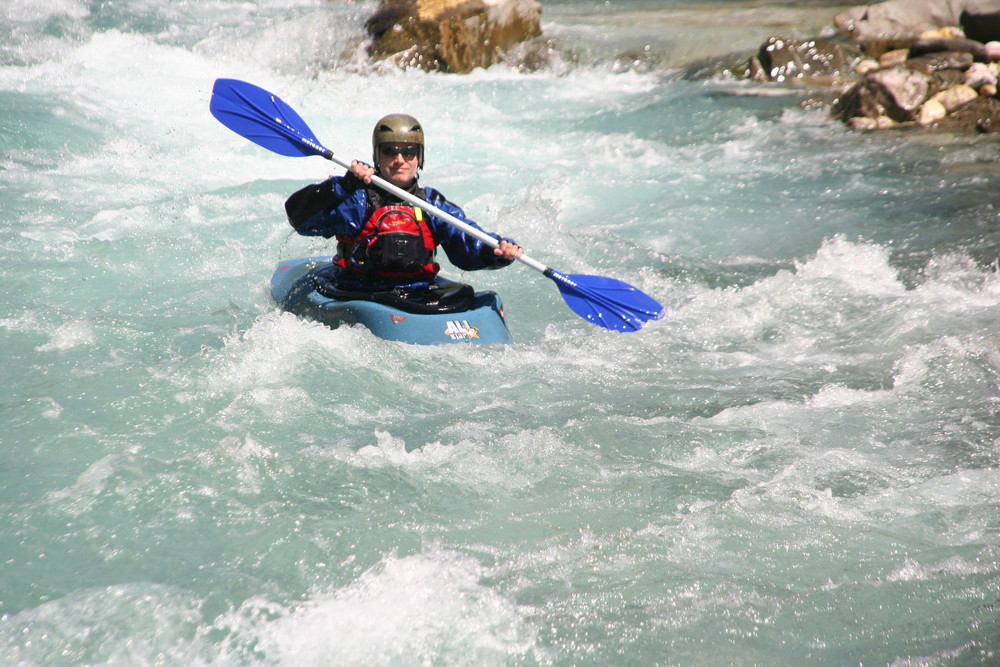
[
  {"x": 937, "y": 62},
  {"x": 785, "y": 60},
  {"x": 928, "y": 46},
  {"x": 899, "y": 19},
  {"x": 955, "y": 97},
  {"x": 981, "y": 22},
  {"x": 877, "y": 47},
  {"x": 992, "y": 51},
  {"x": 931, "y": 111},
  {"x": 451, "y": 35},
  {"x": 947, "y": 78},
  {"x": 867, "y": 65},
  {"x": 894, "y": 57},
  {"x": 896, "y": 93},
  {"x": 900, "y": 91},
  {"x": 979, "y": 75},
  {"x": 895, "y": 18}
]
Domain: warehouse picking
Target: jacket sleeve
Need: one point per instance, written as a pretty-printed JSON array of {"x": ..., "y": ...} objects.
[
  {"x": 335, "y": 206},
  {"x": 465, "y": 252}
]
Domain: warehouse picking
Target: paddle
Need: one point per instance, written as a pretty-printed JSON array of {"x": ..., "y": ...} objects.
[{"x": 266, "y": 120}]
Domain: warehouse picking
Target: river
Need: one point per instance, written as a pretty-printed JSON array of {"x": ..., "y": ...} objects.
[{"x": 798, "y": 465}]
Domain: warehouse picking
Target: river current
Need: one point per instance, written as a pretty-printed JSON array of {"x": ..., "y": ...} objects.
[{"x": 798, "y": 465}]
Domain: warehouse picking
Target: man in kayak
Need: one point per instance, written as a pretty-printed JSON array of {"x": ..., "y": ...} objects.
[{"x": 384, "y": 243}]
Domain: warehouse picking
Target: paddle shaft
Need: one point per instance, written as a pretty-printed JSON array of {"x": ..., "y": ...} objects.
[{"x": 447, "y": 217}]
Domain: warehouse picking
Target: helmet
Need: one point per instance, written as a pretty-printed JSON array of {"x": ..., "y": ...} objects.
[{"x": 398, "y": 128}]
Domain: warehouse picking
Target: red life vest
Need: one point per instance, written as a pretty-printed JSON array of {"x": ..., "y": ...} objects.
[{"x": 394, "y": 243}]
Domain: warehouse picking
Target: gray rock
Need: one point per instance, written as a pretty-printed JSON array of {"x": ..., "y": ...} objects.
[
  {"x": 896, "y": 18},
  {"x": 896, "y": 93},
  {"x": 900, "y": 18}
]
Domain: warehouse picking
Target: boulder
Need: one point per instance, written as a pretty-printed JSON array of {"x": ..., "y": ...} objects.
[
  {"x": 896, "y": 93},
  {"x": 451, "y": 35},
  {"x": 786, "y": 60},
  {"x": 981, "y": 22},
  {"x": 886, "y": 25},
  {"x": 895, "y": 19}
]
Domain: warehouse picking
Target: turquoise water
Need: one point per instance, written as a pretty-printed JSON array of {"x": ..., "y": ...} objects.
[{"x": 798, "y": 466}]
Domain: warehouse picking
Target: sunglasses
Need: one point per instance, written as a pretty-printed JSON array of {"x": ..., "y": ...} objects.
[{"x": 408, "y": 152}]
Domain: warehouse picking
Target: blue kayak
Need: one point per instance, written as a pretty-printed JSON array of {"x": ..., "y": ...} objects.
[{"x": 453, "y": 314}]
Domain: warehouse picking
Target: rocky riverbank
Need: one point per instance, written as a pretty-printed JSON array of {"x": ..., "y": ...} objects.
[
  {"x": 899, "y": 64},
  {"x": 930, "y": 64}
]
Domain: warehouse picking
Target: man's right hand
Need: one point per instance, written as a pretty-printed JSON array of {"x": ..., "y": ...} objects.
[{"x": 363, "y": 171}]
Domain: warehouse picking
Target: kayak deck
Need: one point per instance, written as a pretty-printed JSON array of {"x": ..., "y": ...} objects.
[{"x": 294, "y": 291}]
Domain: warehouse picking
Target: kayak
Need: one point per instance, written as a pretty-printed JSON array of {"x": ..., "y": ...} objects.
[{"x": 452, "y": 313}]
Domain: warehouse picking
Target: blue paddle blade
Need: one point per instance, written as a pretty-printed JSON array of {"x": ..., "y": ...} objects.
[
  {"x": 264, "y": 119},
  {"x": 607, "y": 302}
]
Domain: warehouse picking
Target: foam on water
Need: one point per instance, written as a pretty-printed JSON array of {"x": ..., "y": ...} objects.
[
  {"x": 135, "y": 623},
  {"x": 70, "y": 335},
  {"x": 419, "y": 608},
  {"x": 422, "y": 608}
]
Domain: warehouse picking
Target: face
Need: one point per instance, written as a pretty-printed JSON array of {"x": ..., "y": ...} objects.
[{"x": 398, "y": 163}]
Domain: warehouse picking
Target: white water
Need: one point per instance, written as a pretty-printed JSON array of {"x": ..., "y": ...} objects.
[{"x": 797, "y": 466}]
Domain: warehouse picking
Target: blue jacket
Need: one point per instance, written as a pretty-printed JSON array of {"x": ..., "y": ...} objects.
[{"x": 340, "y": 205}]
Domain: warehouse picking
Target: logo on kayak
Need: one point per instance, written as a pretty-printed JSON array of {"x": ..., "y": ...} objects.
[
  {"x": 461, "y": 330},
  {"x": 396, "y": 319}
]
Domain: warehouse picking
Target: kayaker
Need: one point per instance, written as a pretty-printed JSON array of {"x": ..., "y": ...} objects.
[{"x": 384, "y": 243}]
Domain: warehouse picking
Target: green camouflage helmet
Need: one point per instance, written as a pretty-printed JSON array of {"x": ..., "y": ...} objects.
[{"x": 398, "y": 128}]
